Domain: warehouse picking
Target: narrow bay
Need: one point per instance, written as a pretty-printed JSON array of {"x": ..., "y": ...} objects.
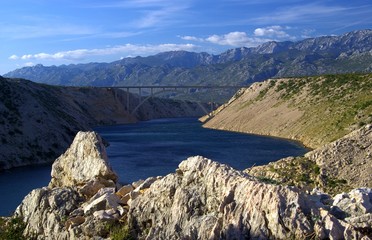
[{"x": 155, "y": 148}]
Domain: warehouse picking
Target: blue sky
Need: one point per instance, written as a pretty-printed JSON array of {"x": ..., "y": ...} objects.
[{"x": 55, "y": 32}]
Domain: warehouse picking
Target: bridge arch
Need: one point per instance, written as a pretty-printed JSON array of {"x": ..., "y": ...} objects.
[
  {"x": 162, "y": 92},
  {"x": 165, "y": 89}
]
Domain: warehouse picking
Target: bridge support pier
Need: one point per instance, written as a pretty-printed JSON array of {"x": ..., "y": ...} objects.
[{"x": 163, "y": 89}]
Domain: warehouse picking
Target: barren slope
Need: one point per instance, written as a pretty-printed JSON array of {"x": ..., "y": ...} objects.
[{"x": 313, "y": 110}]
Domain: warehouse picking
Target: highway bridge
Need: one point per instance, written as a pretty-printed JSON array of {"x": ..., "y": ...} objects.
[{"x": 148, "y": 91}]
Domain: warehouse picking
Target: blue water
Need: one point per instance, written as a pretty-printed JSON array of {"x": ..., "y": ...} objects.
[{"x": 155, "y": 148}]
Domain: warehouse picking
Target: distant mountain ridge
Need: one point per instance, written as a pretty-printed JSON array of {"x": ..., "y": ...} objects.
[{"x": 350, "y": 52}]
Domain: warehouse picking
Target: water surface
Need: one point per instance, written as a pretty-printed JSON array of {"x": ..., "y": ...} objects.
[{"x": 155, "y": 148}]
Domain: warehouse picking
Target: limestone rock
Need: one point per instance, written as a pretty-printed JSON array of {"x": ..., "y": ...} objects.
[
  {"x": 85, "y": 160},
  {"x": 338, "y": 166},
  {"x": 349, "y": 158},
  {"x": 207, "y": 200},
  {"x": 44, "y": 211},
  {"x": 106, "y": 199},
  {"x": 124, "y": 190},
  {"x": 93, "y": 186},
  {"x": 355, "y": 203}
]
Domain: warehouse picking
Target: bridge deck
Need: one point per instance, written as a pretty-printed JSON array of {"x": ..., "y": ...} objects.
[{"x": 178, "y": 86}]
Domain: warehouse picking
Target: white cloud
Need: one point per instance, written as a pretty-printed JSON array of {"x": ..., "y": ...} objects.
[
  {"x": 272, "y": 31},
  {"x": 233, "y": 39},
  {"x": 29, "y": 64},
  {"x": 242, "y": 39},
  {"x": 128, "y": 49},
  {"x": 14, "y": 57},
  {"x": 191, "y": 38}
]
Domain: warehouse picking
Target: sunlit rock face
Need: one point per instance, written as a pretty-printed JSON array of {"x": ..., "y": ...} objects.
[
  {"x": 86, "y": 159},
  {"x": 209, "y": 200}
]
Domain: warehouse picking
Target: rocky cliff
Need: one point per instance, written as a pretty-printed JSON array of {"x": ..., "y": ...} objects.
[
  {"x": 38, "y": 122},
  {"x": 201, "y": 200},
  {"x": 338, "y": 166},
  {"x": 313, "y": 110}
]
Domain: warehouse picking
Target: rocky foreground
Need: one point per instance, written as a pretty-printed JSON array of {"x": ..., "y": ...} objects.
[{"x": 202, "y": 199}]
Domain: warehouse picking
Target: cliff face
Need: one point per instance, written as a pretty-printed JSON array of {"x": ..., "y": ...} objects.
[
  {"x": 313, "y": 110},
  {"x": 38, "y": 122},
  {"x": 338, "y": 166},
  {"x": 201, "y": 200}
]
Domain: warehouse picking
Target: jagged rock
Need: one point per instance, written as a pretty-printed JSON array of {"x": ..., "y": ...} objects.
[
  {"x": 338, "y": 166},
  {"x": 109, "y": 215},
  {"x": 74, "y": 221},
  {"x": 104, "y": 199},
  {"x": 124, "y": 190},
  {"x": 348, "y": 158},
  {"x": 44, "y": 211},
  {"x": 137, "y": 183},
  {"x": 208, "y": 200},
  {"x": 355, "y": 203},
  {"x": 93, "y": 186},
  {"x": 86, "y": 159}
]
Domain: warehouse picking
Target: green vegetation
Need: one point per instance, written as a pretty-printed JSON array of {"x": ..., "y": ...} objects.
[
  {"x": 120, "y": 232},
  {"x": 299, "y": 171},
  {"x": 303, "y": 173},
  {"x": 12, "y": 229},
  {"x": 333, "y": 105},
  {"x": 263, "y": 92}
]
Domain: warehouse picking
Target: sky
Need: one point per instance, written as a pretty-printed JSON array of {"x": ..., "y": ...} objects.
[{"x": 56, "y": 32}]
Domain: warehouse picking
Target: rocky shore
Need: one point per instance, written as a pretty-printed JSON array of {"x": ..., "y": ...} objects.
[{"x": 202, "y": 199}]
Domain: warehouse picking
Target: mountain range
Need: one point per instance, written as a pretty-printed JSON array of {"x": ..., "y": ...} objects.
[{"x": 350, "y": 52}]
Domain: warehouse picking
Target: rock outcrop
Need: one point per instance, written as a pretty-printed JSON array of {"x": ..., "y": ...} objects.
[
  {"x": 208, "y": 200},
  {"x": 85, "y": 160},
  {"x": 201, "y": 200},
  {"x": 338, "y": 166},
  {"x": 348, "y": 158}
]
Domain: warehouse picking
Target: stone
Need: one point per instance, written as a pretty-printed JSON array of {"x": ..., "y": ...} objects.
[
  {"x": 213, "y": 201},
  {"x": 85, "y": 160},
  {"x": 355, "y": 203},
  {"x": 106, "y": 201},
  {"x": 125, "y": 198},
  {"x": 137, "y": 183},
  {"x": 124, "y": 190},
  {"x": 208, "y": 200},
  {"x": 362, "y": 221},
  {"x": 93, "y": 186},
  {"x": 348, "y": 158},
  {"x": 107, "y": 215},
  {"x": 44, "y": 210},
  {"x": 74, "y": 221}
]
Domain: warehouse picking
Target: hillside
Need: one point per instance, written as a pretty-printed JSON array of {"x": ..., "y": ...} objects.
[
  {"x": 350, "y": 52},
  {"x": 313, "y": 110},
  {"x": 38, "y": 121}
]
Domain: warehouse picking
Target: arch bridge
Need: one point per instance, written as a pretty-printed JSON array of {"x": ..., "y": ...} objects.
[{"x": 157, "y": 90}]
